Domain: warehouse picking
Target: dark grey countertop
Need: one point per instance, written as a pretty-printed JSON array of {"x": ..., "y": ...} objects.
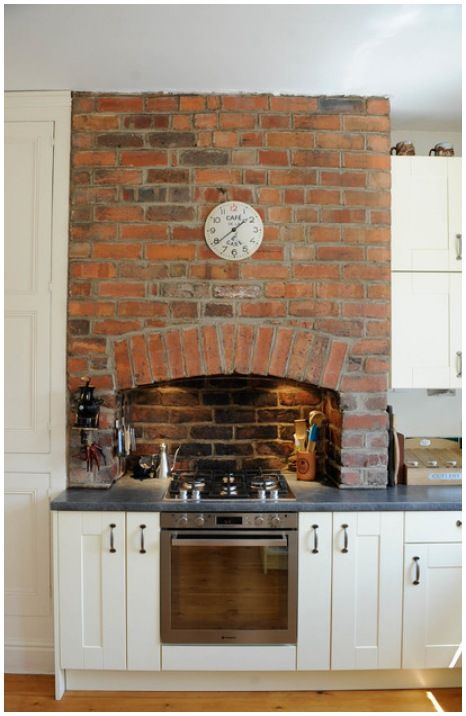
[{"x": 131, "y": 495}]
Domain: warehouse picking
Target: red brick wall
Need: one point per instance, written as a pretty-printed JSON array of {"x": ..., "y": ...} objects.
[{"x": 150, "y": 302}]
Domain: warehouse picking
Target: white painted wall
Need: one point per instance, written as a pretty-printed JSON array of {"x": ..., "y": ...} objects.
[
  {"x": 410, "y": 53},
  {"x": 418, "y": 414}
]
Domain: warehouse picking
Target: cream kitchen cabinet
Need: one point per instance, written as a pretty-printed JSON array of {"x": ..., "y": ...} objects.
[
  {"x": 314, "y": 590},
  {"x": 143, "y": 591},
  {"x": 432, "y": 590},
  {"x": 426, "y": 330},
  {"x": 107, "y": 590},
  {"x": 367, "y": 577},
  {"x": 426, "y": 214}
]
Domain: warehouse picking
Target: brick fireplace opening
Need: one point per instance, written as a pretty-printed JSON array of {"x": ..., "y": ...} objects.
[
  {"x": 233, "y": 422},
  {"x": 150, "y": 304}
]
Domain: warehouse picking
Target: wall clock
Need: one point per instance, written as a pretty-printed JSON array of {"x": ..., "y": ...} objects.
[{"x": 234, "y": 230}]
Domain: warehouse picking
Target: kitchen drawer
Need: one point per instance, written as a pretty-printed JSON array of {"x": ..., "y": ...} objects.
[{"x": 433, "y": 526}]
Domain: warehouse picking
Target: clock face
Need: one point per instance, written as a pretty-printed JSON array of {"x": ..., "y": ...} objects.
[{"x": 233, "y": 230}]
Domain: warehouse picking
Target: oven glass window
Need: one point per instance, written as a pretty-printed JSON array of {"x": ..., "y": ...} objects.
[{"x": 229, "y": 587}]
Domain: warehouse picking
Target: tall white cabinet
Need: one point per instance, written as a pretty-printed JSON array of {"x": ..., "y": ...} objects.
[
  {"x": 426, "y": 272},
  {"x": 37, "y": 150}
]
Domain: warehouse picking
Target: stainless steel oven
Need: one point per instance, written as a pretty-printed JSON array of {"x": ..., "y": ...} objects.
[{"x": 228, "y": 578}]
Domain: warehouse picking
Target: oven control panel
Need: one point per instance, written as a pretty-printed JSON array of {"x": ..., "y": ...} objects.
[{"x": 229, "y": 520}]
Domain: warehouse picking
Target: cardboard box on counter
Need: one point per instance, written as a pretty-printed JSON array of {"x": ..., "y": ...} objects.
[{"x": 432, "y": 461}]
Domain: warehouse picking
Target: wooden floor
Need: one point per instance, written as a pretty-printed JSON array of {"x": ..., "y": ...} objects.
[{"x": 36, "y": 693}]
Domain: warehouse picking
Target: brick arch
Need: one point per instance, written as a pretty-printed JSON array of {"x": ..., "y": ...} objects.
[{"x": 224, "y": 349}]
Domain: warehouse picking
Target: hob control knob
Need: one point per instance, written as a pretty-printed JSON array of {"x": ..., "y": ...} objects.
[
  {"x": 182, "y": 521},
  {"x": 199, "y": 521},
  {"x": 275, "y": 521},
  {"x": 259, "y": 520}
]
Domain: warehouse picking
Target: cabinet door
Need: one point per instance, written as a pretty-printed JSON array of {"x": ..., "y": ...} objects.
[
  {"x": 91, "y": 590},
  {"x": 432, "y": 605},
  {"x": 367, "y": 590},
  {"x": 426, "y": 328},
  {"x": 314, "y": 590},
  {"x": 28, "y": 248},
  {"x": 454, "y": 213},
  {"x": 143, "y": 600},
  {"x": 426, "y": 208},
  {"x": 456, "y": 357}
]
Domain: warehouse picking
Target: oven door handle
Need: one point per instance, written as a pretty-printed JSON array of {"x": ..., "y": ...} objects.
[{"x": 189, "y": 541}]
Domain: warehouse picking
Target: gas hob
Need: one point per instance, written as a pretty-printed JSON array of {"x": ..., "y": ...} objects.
[{"x": 218, "y": 485}]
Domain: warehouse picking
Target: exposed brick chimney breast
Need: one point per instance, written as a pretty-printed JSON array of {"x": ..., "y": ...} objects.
[{"x": 150, "y": 303}]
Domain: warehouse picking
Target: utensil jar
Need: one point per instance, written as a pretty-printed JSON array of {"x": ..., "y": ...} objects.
[{"x": 305, "y": 465}]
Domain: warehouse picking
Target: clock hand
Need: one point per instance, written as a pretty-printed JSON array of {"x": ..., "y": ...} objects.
[{"x": 235, "y": 228}]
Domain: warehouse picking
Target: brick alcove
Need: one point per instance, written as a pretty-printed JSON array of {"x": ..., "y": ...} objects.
[
  {"x": 268, "y": 376},
  {"x": 232, "y": 422}
]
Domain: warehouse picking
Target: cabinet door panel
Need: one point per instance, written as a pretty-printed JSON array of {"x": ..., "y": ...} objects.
[
  {"x": 314, "y": 590},
  {"x": 426, "y": 213},
  {"x": 92, "y": 590},
  {"x": 143, "y": 600},
  {"x": 422, "y": 329},
  {"x": 456, "y": 357},
  {"x": 28, "y": 249},
  {"x": 432, "y": 607},
  {"x": 367, "y": 590},
  {"x": 454, "y": 213}
]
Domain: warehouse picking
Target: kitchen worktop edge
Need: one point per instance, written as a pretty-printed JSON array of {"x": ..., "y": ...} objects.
[{"x": 129, "y": 495}]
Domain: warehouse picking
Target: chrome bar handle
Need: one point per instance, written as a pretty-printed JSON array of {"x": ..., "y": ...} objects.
[
  {"x": 112, "y": 544},
  {"x": 459, "y": 246},
  {"x": 142, "y": 550},
  {"x": 316, "y": 539},
  {"x": 215, "y": 541},
  {"x": 459, "y": 364},
  {"x": 417, "y": 576},
  {"x": 345, "y": 539}
]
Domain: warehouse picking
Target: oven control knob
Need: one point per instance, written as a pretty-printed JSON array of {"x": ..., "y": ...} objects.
[
  {"x": 275, "y": 521},
  {"x": 182, "y": 521},
  {"x": 199, "y": 521},
  {"x": 259, "y": 520}
]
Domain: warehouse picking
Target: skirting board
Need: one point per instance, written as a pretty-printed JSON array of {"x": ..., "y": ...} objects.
[
  {"x": 261, "y": 681},
  {"x": 28, "y": 659}
]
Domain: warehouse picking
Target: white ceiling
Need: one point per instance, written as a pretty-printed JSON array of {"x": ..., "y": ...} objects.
[{"x": 410, "y": 53}]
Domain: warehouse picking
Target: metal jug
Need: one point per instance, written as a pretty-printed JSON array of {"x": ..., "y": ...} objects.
[
  {"x": 442, "y": 149},
  {"x": 405, "y": 147}
]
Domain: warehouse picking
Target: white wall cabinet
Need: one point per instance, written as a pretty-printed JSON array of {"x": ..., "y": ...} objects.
[
  {"x": 426, "y": 214},
  {"x": 314, "y": 590},
  {"x": 432, "y": 591},
  {"x": 108, "y": 590},
  {"x": 426, "y": 272},
  {"x": 367, "y": 590},
  {"x": 426, "y": 330}
]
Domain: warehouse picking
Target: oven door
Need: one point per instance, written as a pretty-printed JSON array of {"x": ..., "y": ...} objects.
[{"x": 225, "y": 586}]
